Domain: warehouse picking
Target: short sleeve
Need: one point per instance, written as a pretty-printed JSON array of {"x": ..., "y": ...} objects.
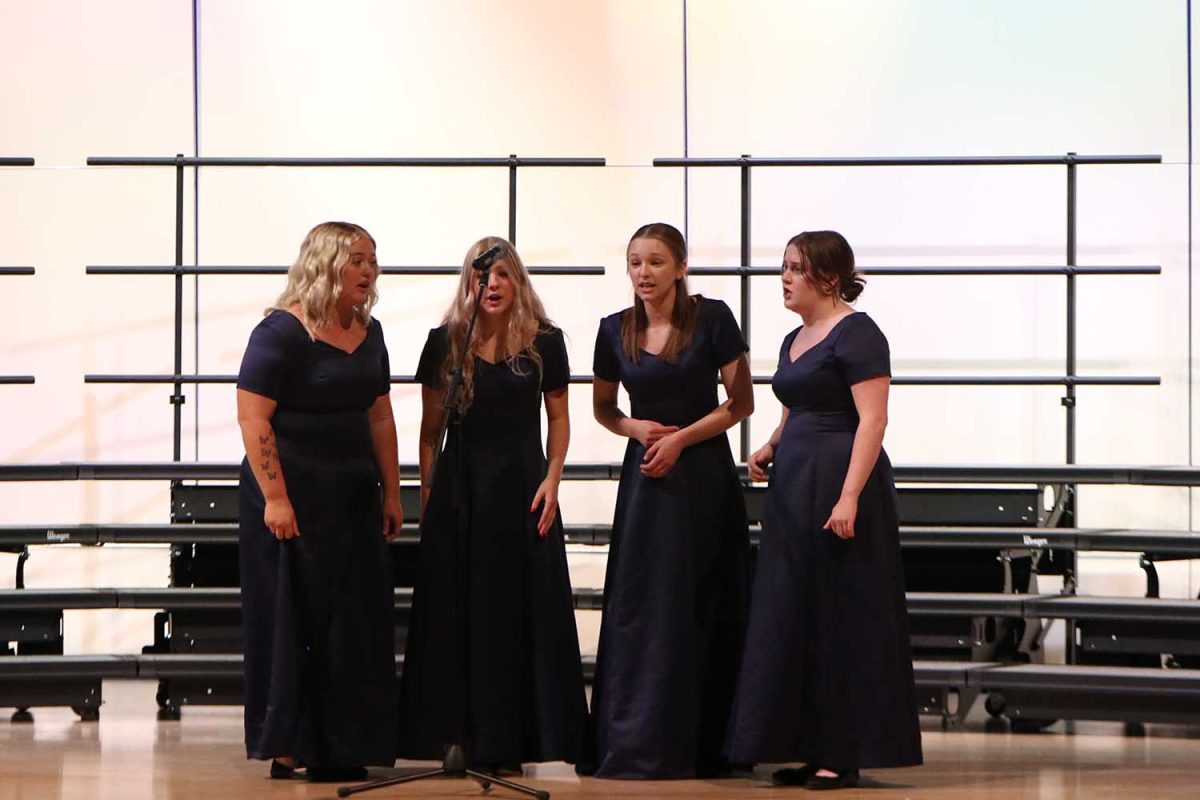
[
  {"x": 385, "y": 364},
  {"x": 725, "y": 340},
  {"x": 606, "y": 365},
  {"x": 433, "y": 356},
  {"x": 861, "y": 351},
  {"x": 556, "y": 369},
  {"x": 265, "y": 364}
]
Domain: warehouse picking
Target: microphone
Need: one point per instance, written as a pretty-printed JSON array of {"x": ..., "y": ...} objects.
[{"x": 485, "y": 259}]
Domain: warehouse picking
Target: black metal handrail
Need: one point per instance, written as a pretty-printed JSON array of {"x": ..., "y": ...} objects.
[
  {"x": 1159, "y": 543},
  {"x": 511, "y": 161},
  {"x": 898, "y": 380},
  {"x": 1068, "y": 159},
  {"x": 282, "y": 270},
  {"x": 1040, "y": 474},
  {"x": 16, "y": 161},
  {"x": 181, "y": 162},
  {"x": 928, "y": 271}
]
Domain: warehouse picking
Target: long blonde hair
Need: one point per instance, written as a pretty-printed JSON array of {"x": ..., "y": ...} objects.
[
  {"x": 526, "y": 318},
  {"x": 314, "y": 281}
]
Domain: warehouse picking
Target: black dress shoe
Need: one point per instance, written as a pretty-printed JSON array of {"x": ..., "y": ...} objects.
[
  {"x": 793, "y": 776},
  {"x": 280, "y": 771},
  {"x": 844, "y": 779},
  {"x": 336, "y": 774}
]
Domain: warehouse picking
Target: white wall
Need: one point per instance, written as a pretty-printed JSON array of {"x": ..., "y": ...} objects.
[{"x": 592, "y": 78}]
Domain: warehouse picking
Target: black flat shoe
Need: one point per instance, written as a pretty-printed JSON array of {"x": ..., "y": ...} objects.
[
  {"x": 281, "y": 772},
  {"x": 793, "y": 776},
  {"x": 336, "y": 774},
  {"x": 845, "y": 779}
]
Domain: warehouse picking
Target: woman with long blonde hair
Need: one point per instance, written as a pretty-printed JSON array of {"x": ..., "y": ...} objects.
[
  {"x": 504, "y": 680},
  {"x": 318, "y": 499}
]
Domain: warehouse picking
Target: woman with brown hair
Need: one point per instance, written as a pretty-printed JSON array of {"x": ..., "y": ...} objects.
[
  {"x": 504, "y": 680},
  {"x": 826, "y": 677},
  {"x": 676, "y": 587},
  {"x": 319, "y": 495}
]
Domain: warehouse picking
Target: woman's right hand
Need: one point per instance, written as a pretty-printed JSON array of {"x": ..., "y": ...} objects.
[
  {"x": 280, "y": 519},
  {"x": 758, "y": 462},
  {"x": 647, "y": 431}
]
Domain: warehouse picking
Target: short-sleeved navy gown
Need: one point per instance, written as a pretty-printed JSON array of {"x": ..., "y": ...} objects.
[
  {"x": 677, "y": 582},
  {"x": 317, "y": 610},
  {"x": 827, "y": 676},
  {"x": 522, "y": 697}
]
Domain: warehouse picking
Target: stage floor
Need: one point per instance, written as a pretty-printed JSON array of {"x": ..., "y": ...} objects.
[{"x": 128, "y": 755}]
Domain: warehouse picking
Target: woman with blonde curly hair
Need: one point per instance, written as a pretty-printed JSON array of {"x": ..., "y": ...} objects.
[
  {"x": 504, "y": 678},
  {"x": 319, "y": 498}
]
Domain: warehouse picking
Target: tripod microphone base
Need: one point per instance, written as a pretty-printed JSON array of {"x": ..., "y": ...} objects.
[{"x": 454, "y": 765}]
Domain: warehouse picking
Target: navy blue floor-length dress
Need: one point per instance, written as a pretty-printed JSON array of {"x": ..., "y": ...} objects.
[
  {"x": 317, "y": 610},
  {"x": 504, "y": 679},
  {"x": 827, "y": 674},
  {"x": 677, "y": 583}
]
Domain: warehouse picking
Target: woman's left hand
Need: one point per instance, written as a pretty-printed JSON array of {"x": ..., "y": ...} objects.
[
  {"x": 393, "y": 517},
  {"x": 547, "y": 498},
  {"x": 841, "y": 520},
  {"x": 661, "y": 456}
]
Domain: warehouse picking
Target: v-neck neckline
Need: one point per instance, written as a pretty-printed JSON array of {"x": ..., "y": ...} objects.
[
  {"x": 319, "y": 340},
  {"x": 818, "y": 343}
]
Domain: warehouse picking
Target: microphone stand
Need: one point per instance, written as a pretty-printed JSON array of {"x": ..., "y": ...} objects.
[{"x": 454, "y": 764}]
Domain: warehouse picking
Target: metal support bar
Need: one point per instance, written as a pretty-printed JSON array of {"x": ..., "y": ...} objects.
[
  {"x": 1069, "y": 399},
  {"x": 744, "y": 287},
  {"x": 177, "y": 399},
  {"x": 512, "y": 200}
]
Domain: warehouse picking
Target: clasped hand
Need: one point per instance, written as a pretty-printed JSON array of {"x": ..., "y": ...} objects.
[{"x": 663, "y": 447}]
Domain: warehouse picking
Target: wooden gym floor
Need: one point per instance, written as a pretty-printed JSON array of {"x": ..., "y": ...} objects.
[{"x": 128, "y": 755}]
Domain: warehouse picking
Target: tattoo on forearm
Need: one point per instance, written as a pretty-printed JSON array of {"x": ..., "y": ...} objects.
[{"x": 270, "y": 456}]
